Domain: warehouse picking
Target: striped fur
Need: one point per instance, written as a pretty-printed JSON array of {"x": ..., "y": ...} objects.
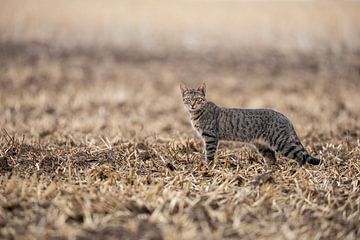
[{"x": 269, "y": 131}]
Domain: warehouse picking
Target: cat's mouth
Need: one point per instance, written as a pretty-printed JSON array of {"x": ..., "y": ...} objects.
[{"x": 192, "y": 107}]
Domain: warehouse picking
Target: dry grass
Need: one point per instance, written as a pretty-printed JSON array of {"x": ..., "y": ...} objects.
[
  {"x": 95, "y": 143},
  {"x": 104, "y": 148}
]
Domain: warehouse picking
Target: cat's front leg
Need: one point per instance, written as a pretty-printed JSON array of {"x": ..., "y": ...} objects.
[{"x": 210, "y": 143}]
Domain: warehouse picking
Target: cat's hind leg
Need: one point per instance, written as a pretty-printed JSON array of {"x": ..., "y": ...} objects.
[{"x": 267, "y": 153}]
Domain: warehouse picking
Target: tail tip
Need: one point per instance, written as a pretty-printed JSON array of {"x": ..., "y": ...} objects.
[{"x": 313, "y": 160}]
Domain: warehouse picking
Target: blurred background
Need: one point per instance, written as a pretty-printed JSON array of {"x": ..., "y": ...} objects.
[
  {"x": 307, "y": 34},
  {"x": 102, "y": 65}
]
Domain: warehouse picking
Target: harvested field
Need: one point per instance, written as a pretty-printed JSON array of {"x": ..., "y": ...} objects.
[{"x": 95, "y": 142}]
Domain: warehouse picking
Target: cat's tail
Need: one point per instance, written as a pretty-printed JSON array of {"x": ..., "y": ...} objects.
[
  {"x": 310, "y": 159},
  {"x": 304, "y": 157},
  {"x": 297, "y": 152}
]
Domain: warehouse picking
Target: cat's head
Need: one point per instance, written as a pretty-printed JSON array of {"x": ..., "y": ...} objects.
[{"x": 193, "y": 98}]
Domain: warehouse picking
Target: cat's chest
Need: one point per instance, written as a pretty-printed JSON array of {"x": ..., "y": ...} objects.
[{"x": 197, "y": 126}]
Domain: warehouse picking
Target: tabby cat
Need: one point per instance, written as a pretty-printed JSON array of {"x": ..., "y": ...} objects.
[{"x": 269, "y": 131}]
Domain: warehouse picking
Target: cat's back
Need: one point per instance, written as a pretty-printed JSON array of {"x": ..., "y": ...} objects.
[
  {"x": 247, "y": 124},
  {"x": 261, "y": 113}
]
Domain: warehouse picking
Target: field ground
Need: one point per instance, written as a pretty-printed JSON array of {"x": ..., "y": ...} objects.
[
  {"x": 95, "y": 142},
  {"x": 100, "y": 147}
]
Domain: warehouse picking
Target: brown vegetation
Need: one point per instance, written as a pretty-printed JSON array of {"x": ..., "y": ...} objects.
[{"x": 95, "y": 142}]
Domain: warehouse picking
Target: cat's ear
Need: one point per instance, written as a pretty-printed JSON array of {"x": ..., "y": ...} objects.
[
  {"x": 202, "y": 88},
  {"x": 183, "y": 88}
]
